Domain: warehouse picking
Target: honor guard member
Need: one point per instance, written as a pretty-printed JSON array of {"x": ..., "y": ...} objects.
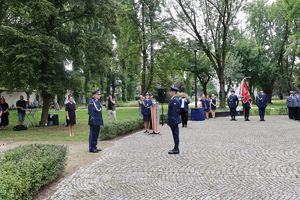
[
  {"x": 247, "y": 107},
  {"x": 95, "y": 121},
  {"x": 294, "y": 105},
  {"x": 262, "y": 102},
  {"x": 297, "y": 107},
  {"x": 289, "y": 105},
  {"x": 174, "y": 118},
  {"x": 233, "y": 102}
]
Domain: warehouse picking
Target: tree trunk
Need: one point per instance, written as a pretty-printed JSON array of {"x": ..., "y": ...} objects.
[
  {"x": 222, "y": 93},
  {"x": 86, "y": 87},
  {"x": 144, "y": 49},
  {"x": 269, "y": 92},
  {"x": 45, "y": 109}
]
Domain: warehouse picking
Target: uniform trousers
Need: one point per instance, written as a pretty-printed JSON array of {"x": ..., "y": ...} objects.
[
  {"x": 175, "y": 132},
  {"x": 232, "y": 112},
  {"x": 184, "y": 116},
  {"x": 262, "y": 111},
  {"x": 247, "y": 112},
  {"x": 94, "y": 135}
]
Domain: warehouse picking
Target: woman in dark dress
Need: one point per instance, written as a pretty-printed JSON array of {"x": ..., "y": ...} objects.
[
  {"x": 5, "y": 113},
  {"x": 207, "y": 107},
  {"x": 213, "y": 105},
  {"x": 146, "y": 111},
  {"x": 71, "y": 114}
]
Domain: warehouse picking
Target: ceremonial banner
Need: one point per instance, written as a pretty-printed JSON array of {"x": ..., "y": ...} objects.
[{"x": 244, "y": 91}]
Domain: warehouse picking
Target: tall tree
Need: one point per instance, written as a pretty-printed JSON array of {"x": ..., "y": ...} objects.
[{"x": 209, "y": 22}]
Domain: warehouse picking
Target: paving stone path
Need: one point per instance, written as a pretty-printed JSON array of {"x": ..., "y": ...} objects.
[{"x": 219, "y": 159}]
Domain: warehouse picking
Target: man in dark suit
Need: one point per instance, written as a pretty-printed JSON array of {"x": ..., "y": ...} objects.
[
  {"x": 95, "y": 121},
  {"x": 262, "y": 102},
  {"x": 184, "y": 109},
  {"x": 174, "y": 118},
  {"x": 233, "y": 103}
]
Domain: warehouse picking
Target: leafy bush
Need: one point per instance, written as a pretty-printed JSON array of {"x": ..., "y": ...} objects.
[
  {"x": 24, "y": 170},
  {"x": 114, "y": 129},
  {"x": 270, "y": 111}
]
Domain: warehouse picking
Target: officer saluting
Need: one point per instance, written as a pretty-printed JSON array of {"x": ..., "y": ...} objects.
[
  {"x": 174, "y": 118},
  {"x": 95, "y": 121},
  {"x": 233, "y": 103}
]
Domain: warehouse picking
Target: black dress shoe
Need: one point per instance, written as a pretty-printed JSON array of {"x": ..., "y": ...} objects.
[
  {"x": 98, "y": 149},
  {"x": 94, "y": 151},
  {"x": 174, "y": 151}
]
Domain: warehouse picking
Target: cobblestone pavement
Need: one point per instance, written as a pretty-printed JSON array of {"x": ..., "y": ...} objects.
[{"x": 219, "y": 159}]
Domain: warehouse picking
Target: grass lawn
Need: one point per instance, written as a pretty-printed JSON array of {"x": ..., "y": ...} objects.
[{"x": 60, "y": 133}]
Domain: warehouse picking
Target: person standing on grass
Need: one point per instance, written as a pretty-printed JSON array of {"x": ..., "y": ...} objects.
[
  {"x": 70, "y": 108},
  {"x": 213, "y": 105},
  {"x": 95, "y": 121},
  {"x": 146, "y": 111},
  {"x": 111, "y": 106},
  {"x": 5, "y": 113},
  {"x": 21, "y": 106},
  {"x": 262, "y": 102},
  {"x": 174, "y": 118}
]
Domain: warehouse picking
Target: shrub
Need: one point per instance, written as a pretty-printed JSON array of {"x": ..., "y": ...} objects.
[
  {"x": 270, "y": 111},
  {"x": 24, "y": 170},
  {"x": 114, "y": 129}
]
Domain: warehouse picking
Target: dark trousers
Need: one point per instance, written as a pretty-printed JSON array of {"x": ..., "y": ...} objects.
[
  {"x": 262, "y": 111},
  {"x": 290, "y": 110},
  {"x": 94, "y": 135},
  {"x": 175, "y": 132},
  {"x": 232, "y": 113},
  {"x": 296, "y": 113},
  {"x": 246, "y": 113},
  {"x": 184, "y": 116}
]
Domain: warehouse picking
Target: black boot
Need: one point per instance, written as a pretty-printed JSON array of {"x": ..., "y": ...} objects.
[{"x": 175, "y": 150}]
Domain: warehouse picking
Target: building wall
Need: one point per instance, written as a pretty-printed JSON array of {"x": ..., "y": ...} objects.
[{"x": 12, "y": 97}]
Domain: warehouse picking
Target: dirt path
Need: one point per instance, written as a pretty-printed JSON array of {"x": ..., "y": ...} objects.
[{"x": 78, "y": 157}]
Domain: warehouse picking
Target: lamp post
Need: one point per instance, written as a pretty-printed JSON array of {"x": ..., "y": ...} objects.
[{"x": 195, "y": 77}]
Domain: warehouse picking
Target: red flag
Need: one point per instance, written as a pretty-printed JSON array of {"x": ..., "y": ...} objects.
[{"x": 244, "y": 91}]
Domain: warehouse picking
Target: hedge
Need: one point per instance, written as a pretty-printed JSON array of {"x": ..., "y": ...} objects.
[
  {"x": 270, "y": 111},
  {"x": 25, "y": 169},
  {"x": 117, "y": 128}
]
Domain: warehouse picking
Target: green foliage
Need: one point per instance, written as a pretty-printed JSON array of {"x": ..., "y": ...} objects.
[
  {"x": 115, "y": 129},
  {"x": 26, "y": 169}
]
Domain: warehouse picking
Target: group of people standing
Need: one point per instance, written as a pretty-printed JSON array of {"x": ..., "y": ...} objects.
[
  {"x": 209, "y": 104},
  {"x": 261, "y": 102},
  {"x": 293, "y": 105}
]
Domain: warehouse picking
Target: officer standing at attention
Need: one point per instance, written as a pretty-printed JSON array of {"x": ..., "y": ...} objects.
[
  {"x": 95, "y": 121},
  {"x": 297, "y": 107},
  {"x": 289, "y": 105},
  {"x": 174, "y": 118},
  {"x": 262, "y": 102},
  {"x": 233, "y": 103},
  {"x": 294, "y": 105}
]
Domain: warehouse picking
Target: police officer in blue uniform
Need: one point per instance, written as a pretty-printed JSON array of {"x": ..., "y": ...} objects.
[
  {"x": 289, "y": 104},
  {"x": 174, "y": 118},
  {"x": 233, "y": 102},
  {"x": 262, "y": 102},
  {"x": 95, "y": 121}
]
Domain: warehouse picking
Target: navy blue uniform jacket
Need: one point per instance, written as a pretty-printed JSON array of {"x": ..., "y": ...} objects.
[
  {"x": 261, "y": 100},
  {"x": 95, "y": 113},
  {"x": 174, "y": 111},
  {"x": 233, "y": 101}
]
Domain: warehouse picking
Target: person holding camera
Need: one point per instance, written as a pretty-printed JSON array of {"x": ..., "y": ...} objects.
[{"x": 111, "y": 106}]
